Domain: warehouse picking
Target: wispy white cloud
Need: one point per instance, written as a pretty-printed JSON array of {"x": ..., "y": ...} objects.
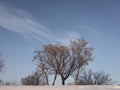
[
  {"x": 69, "y": 36},
  {"x": 87, "y": 29},
  {"x": 23, "y": 23}
]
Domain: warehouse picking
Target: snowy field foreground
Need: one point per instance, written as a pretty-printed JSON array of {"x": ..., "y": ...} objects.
[{"x": 70, "y": 87}]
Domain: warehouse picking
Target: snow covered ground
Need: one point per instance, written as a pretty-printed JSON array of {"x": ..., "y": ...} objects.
[{"x": 69, "y": 87}]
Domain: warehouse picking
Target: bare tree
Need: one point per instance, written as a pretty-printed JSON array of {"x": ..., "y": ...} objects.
[
  {"x": 1, "y": 66},
  {"x": 54, "y": 58},
  {"x": 88, "y": 77},
  {"x": 1, "y": 63},
  {"x": 81, "y": 53}
]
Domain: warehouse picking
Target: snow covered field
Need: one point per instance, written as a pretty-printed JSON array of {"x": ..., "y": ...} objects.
[{"x": 69, "y": 87}]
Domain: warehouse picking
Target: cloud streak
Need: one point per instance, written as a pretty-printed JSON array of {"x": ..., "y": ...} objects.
[
  {"x": 23, "y": 23},
  {"x": 87, "y": 29}
]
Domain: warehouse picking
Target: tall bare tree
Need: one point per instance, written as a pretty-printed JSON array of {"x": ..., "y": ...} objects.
[
  {"x": 53, "y": 57},
  {"x": 81, "y": 53}
]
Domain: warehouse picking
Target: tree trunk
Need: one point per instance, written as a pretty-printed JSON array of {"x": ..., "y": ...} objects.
[
  {"x": 54, "y": 79},
  {"x": 77, "y": 75},
  {"x": 63, "y": 81},
  {"x": 47, "y": 80},
  {"x": 46, "y": 77}
]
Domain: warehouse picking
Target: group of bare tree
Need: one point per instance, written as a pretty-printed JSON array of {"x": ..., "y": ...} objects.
[
  {"x": 65, "y": 61},
  {"x": 34, "y": 79},
  {"x": 58, "y": 59},
  {"x": 88, "y": 77}
]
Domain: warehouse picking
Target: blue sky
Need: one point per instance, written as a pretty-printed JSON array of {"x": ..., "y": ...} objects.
[{"x": 26, "y": 25}]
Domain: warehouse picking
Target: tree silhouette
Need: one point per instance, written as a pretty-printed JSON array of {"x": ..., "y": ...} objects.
[
  {"x": 1, "y": 63},
  {"x": 63, "y": 60},
  {"x": 88, "y": 77},
  {"x": 35, "y": 79}
]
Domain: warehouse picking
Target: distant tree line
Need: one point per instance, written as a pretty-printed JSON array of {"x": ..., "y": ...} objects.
[
  {"x": 34, "y": 79},
  {"x": 8, "y": 83},
  {"x": 87, "y": 77}
]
